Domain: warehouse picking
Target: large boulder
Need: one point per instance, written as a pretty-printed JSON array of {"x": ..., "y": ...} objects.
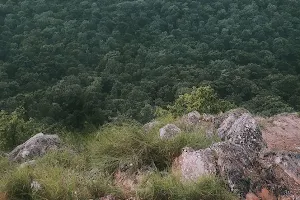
[
  {"x": 196, "y": 163},
  {"x": 169, "y": 131},
  {"x": 37, "y": 145},
  {"x": 242, "y": 130},
  {"x": 232, "y": 162},
  {"x": 285, "y": 168}
]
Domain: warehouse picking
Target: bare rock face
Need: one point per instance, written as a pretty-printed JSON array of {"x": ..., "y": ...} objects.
[
  {"x": 281, "y": 132},
  {"x": 169, "y": 131},
  {"x": 225, "y": 121},
  {"x": 196, "y": 163},
  {"x": 38, "y": 145},
  {"x": 242, "y": 130},
  {"x": 232, "y": 160},
  {"x": 285, "y": 167},
  {"x": 229, "y": 117}
]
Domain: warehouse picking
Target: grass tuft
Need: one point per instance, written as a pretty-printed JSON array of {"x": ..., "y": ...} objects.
[
  {"x": 164, "y": 187},
  {"x": 128, "y": 144}
]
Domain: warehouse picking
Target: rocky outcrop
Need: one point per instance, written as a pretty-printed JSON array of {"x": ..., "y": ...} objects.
[
  {"x": 242, "y": 129},
  {"x": 230, "y": 116},
  {"x": 241, "y": 159},
  {"x": 38, "y": 145},
  {"x": 169, "y": 131},
  {"x": 281, "y": 132},
  {"x": 285, "y": 167},
  {"x": 196, "y": 163},
  {"x": 232, "y": 161}
]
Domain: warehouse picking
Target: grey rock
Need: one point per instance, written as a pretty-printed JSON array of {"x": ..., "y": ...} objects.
[
  {"x": 226, "y": 159},
  {"x": 242, "y": 160},
  {"x": 195, "y": 164},
  {"x": 232, "y": 161},
  {"x": 285, "y": 167},
  {"x": 193, "y": 117},
  {"x": 37, "y": 145},
  {"x": 244, "y": 131},
  {"x": 169, "y": 131},
  {"x": 232, "y": 114}
]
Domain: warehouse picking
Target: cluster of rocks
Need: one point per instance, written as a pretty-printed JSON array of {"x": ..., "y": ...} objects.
[{"x": 243, "y": 160}]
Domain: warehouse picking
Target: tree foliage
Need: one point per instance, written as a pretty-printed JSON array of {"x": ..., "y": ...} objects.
[
  {"x": 202, "y": 99},
  {"x": 14, "y": 129},
  {"x": 76, "y": 62}
]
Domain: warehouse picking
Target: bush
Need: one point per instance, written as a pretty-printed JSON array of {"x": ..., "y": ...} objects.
[
  {"x": 202, "y": 99},
  {"x": 14, "y": 129},
  {"x": 5, "y": 165}
]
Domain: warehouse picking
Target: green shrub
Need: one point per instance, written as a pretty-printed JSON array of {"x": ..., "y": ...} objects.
[
  {"x": 159, "y": 187},
  {"x": 5, "y": 165},
  {"x": 14, "y": 129},
  {"x": 202, "y": 99}
]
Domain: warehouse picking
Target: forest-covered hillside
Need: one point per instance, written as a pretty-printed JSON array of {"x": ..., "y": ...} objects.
[{"x": 86, "y": 61}]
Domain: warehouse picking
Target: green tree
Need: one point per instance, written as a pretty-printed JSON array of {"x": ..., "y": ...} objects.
[
  {"x": 14, "y": 129},
  {"x": 202, "y": 99}
]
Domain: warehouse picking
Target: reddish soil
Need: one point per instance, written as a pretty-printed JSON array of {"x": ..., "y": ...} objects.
[
  {"x": 3, "y": 196},
  {"x": 281, "y": 132}
]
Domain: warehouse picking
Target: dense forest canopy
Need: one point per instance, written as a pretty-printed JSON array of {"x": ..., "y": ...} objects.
[{"x": 86, "y": 61}]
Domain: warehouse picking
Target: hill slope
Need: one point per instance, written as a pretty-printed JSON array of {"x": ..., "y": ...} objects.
[{"x": 77, "y": 61}]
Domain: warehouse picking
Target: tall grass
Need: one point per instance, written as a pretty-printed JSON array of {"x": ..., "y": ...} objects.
[
  {"x": 85, "y": 171},
  {"x": 129, "y": 145},
  {"x": 62, "y": 175},
  {"x": 165, "y": 187}
]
